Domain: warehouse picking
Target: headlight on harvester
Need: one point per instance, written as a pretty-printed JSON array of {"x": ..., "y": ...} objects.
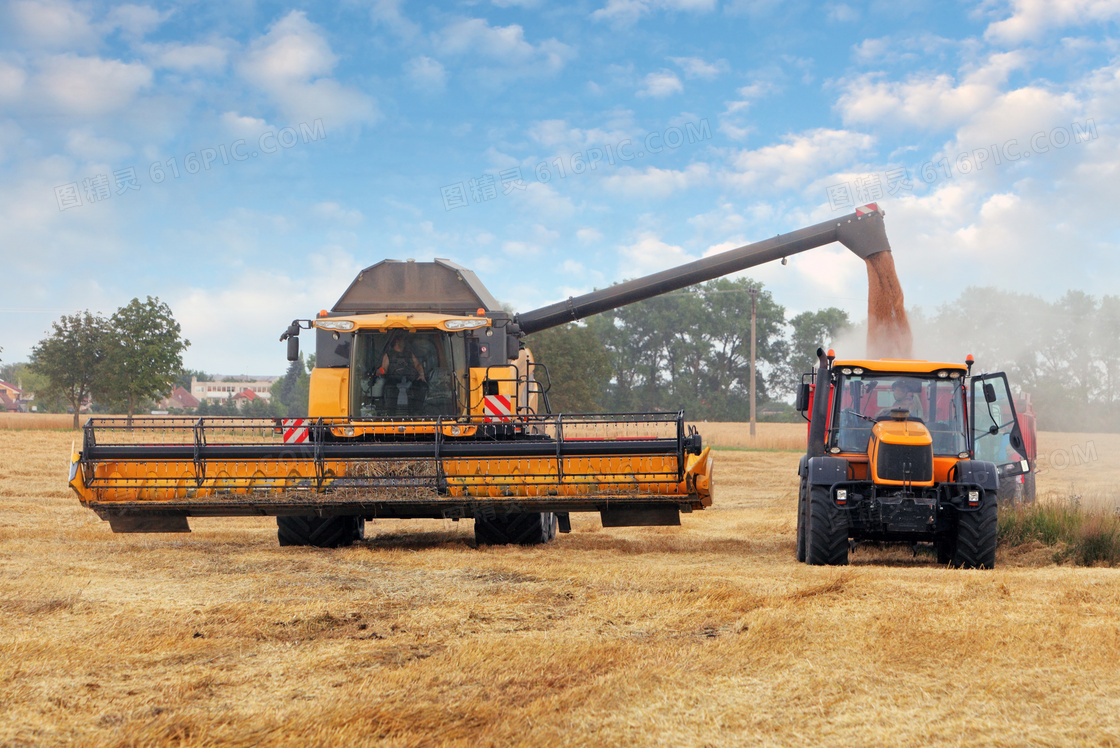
[
  {"x": 973, "y": 498},
  {"x": 334, "y": 324},
  {"x": 465, "y": 324},
  {"x": 841, "y": 496}
]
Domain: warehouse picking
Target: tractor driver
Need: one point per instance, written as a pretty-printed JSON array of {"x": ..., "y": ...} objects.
[{"x": 905, "y": 393}]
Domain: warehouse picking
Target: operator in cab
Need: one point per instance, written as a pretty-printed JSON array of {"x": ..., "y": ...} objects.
[{"x": 905, "y": 393}]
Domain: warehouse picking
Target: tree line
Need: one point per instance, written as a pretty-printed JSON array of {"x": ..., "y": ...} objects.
[
  {"x": 688, "y": 349},
  {"x": 1064, "y": 354}
]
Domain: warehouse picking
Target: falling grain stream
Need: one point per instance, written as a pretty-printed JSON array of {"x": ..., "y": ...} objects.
[{"x": 888, "y": 330}]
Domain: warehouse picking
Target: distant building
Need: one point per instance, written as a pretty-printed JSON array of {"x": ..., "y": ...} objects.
[
  {"x": 180, "y": 399},
  {"x": 224, "y": 388},
  {"x": 13, "y": 399}
]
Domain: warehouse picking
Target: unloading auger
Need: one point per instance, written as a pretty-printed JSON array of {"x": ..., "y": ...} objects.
[{"x": 426, "y": 403}]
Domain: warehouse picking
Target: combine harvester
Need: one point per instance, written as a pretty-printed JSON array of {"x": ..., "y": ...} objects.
[{"x": 425, "y": 403}]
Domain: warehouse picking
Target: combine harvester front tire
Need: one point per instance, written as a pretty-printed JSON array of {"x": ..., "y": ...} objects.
[
  {"x": 826, "y": 530},
  {"x": 319, "y": 532},
  {"x": 522, "y": 528}
]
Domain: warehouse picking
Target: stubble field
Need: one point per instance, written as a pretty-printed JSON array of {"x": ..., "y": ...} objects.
[{"x": 705, "y": 634}]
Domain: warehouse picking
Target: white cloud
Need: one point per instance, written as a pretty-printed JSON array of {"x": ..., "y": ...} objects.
[
  {"x": 54, "y": 24},
  {"x": 799, "y": 160},
  {"x": 648, "y": 255},
  {"x": 661, "y": 83},
  {"x": 243, "y": 126},
  {"x": 544, "y": 201},
  {"x": 184, "y": 58},
  {"x": 521, "y": 250},
  {"x": 90, "y": 85},
  {"x": 260, "y": 300},
  {"x": 926, "y": 101},
  {"x": 733, "y": 122},
  {"x": 290, "y": 63},
  {"x": 334, "y": 213},
  {"x": 83, "y": 144},
  {"x": 1030, "y": 20},
  {"x": 842, "y": 13},
  {"x": 628, "y": 12},
  {"x": 426, "y": 73},
  {"x": 656, "y": 183},
  {"x": 388, "y": 13},
  {"x": 10, "y": 137},
  {"x": 573, "y": 267},
  {"x": 557, "y": 134},
  {"x": 694, "y": 67},
  {"x": 12, "y": 79},
  {"x": 503, "y": 45},
  {"x": 136, "y": 20},
  {"x": 589, "y": 235}
]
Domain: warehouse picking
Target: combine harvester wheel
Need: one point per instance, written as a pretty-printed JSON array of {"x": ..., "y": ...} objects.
[
  {"x": 319, "y": 532},
  {"x": 525, "y": 528}
]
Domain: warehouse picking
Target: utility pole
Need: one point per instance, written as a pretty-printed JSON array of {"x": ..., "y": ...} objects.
[{"x": 754, "y": 297}]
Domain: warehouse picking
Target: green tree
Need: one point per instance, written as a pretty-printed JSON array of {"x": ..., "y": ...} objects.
[
  {"x": 186, "y": 375},
  {"x": 579, "y": 368},
  {"x": 144, "y": 356},
  {"x": 71, "y": 358}
]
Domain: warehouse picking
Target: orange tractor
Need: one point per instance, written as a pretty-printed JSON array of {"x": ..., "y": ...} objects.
[{"x": 905, "y": 451}]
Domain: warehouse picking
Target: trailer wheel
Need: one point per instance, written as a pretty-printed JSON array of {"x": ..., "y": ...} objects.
[
  {"x": 802, "y": 510},
  {"x": 319, "y": 532},
  {"x": 522, "y": 528},
  {"x": 827, "y": 532},
  {"x": 976, "y": 537}
]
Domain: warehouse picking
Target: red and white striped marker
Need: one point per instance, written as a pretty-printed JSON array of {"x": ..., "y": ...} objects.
[
  {"x": 865, "y": 209},
  {"x": 294, "y": 431},
  {"x": 496, "y": 409}
]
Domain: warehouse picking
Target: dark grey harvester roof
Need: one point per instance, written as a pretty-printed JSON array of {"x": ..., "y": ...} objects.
[{"x": 395, "y": 286}]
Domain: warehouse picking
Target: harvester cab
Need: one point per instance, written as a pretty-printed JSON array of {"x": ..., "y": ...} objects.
[
  {"x": 905, "y": 451},
  {"x": 424, "y": 341}
]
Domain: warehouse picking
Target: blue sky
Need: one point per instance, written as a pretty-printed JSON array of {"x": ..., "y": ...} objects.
[{"x": 242, "y": 161}]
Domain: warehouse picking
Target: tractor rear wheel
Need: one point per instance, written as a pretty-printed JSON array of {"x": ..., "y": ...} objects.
[
  {"x": 802, "y": 511},
  {"x": 521, "y": 528},
  {"x": 319, "y": 532},
  {"x": 976, "y": 537},
  {"x": 826, "y": 542}
]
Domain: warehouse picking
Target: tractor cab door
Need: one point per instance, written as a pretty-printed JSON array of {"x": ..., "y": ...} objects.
[{"x": 995, "y": 433}]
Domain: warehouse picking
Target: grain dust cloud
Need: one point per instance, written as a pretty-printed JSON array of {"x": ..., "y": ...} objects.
[{"x": 888, "y": 330}]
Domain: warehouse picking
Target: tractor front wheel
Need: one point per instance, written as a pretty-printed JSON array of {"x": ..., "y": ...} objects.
[
  {"x": 521, "y": 528},
  {"x": 319, "y": 532},
  {"x": 976, "y": 537},
  {"x": 827, "y": 532}
]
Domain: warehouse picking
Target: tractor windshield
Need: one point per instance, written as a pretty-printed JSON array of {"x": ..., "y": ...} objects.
[
  {"x": 399, "y": 373},
  {"x": 867, "y": 398}
]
